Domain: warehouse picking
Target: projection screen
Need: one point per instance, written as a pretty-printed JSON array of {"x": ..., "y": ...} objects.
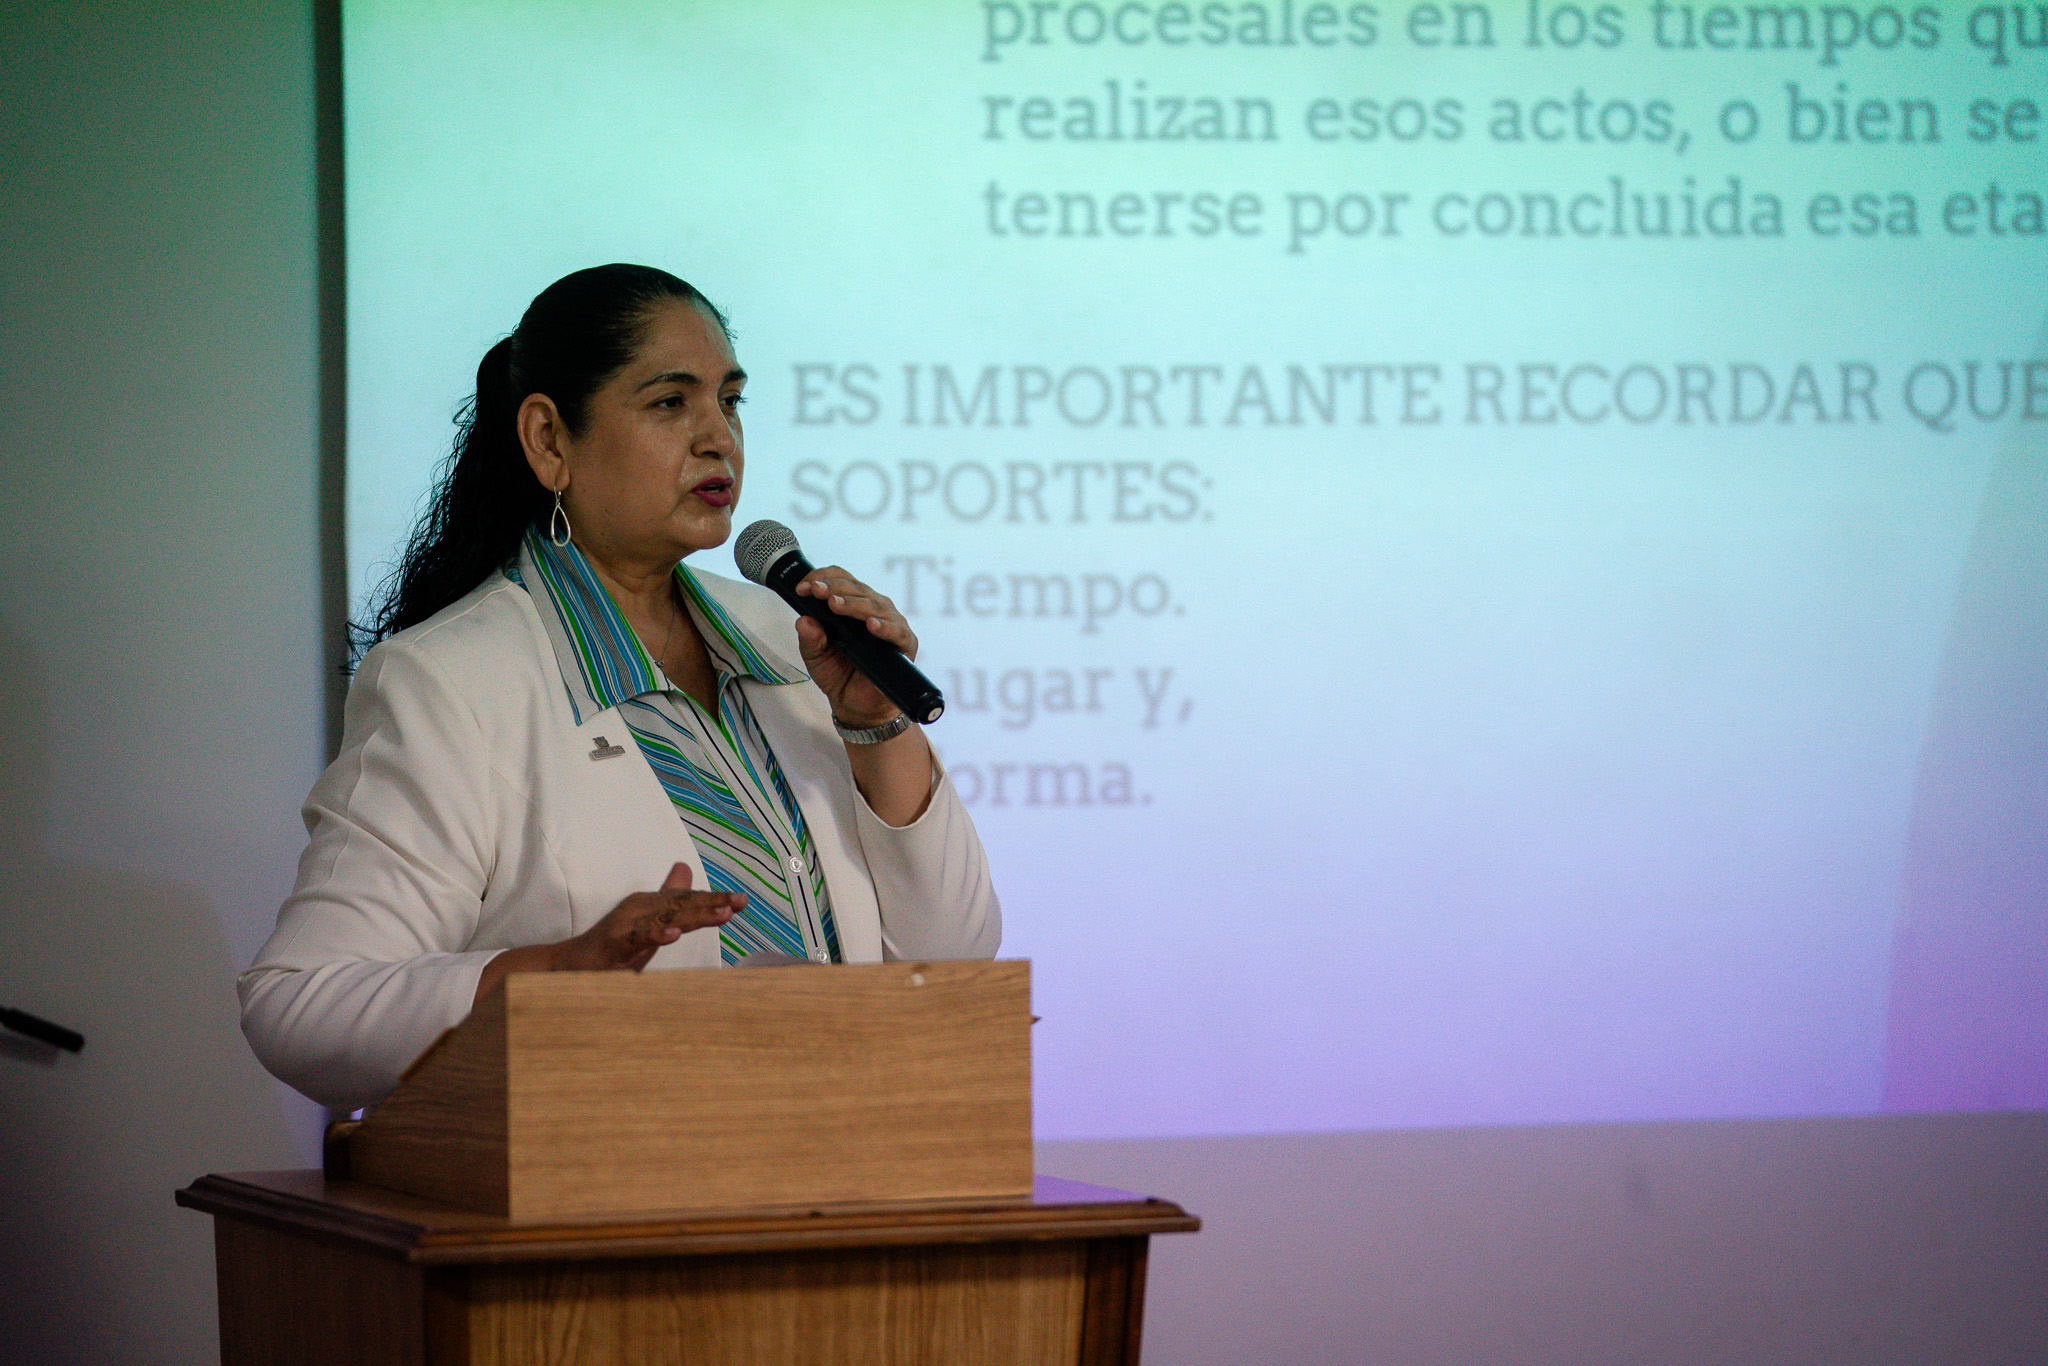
[{"x": 1486, "y": 559}]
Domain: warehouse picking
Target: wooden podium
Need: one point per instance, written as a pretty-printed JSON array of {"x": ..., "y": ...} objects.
[{"x": 802, "y": 1165}]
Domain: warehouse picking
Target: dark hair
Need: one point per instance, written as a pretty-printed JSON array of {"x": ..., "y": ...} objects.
[{"x": 576, "y": 335}]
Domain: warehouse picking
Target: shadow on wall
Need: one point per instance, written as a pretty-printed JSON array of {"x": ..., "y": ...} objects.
[
  {"x": 98, "y": 1265},
  {"x": 1968, "y": 1027},
  {"x": 1893, "y": 1240}
]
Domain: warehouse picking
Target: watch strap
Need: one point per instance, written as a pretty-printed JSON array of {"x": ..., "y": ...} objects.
[{"x": 873, "y": 735}]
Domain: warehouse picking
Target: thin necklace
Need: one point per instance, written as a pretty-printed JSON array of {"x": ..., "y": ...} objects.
[{"x": 668, "y": 637}]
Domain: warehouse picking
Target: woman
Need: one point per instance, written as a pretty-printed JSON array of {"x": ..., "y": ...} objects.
[{"x": 567, "y": 751}]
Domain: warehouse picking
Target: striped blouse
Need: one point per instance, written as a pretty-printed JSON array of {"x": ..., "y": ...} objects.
[{"x": 716, "y": 766}]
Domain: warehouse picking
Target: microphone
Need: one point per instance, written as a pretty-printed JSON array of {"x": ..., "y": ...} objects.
[
  {"x": 767, "y": 553},
  {"x": 41, "y": 1030}
]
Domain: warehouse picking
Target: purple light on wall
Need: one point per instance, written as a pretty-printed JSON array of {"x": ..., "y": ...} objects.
[{"x": 1968, "y": 1028}]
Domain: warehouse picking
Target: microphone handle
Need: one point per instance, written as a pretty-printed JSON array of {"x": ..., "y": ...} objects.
[
  {"x": 881, "y": 663},
  {"x": 41, "y": 1030}
]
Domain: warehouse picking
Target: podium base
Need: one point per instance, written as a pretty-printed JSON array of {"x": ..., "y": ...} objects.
[{"x": 314, "y": 1271}]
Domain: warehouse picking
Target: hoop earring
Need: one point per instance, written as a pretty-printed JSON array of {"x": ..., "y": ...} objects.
[{"x": 558, "y": 516}]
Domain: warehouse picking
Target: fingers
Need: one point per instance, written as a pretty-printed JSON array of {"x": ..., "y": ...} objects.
[
  {"x": 845, "y": 594},
  {"x": 891, "y": 626},
  {"x": 644, "y": 923},
  {"x": 820, "y": 583},
  {"x": 811, "y": 639},
  {"x": 849, "y": 597},
  {"x": 645, "y": 938},
  {"x": 684, "y": 911}
]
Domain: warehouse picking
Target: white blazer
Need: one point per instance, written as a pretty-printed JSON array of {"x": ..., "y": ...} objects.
[{"x": 469, "y": 813}]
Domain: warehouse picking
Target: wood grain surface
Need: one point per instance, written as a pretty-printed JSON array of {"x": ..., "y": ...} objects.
[
  {"x": 394, "y": 1224},
  {"x": 999, "y": 1304},
  {"x": 317, "y": 1272},
  {"x": 443, "y": 1132},
  {"x": 624, "y": 1093},
  {"x": 287, "y": 1298}
]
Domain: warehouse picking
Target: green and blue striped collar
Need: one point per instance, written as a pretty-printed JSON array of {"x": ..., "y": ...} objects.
[{"x": 602, "y": 661}]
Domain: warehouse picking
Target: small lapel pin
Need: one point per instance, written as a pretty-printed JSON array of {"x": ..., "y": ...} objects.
[{"x": 605, "y": 750}]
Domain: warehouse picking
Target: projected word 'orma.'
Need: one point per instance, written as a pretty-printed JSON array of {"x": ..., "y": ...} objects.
[{"x": 1040, "y": 783}]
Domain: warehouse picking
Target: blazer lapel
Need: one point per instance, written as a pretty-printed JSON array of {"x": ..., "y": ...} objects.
[
  {"x": 799, "y": 729},
  {"x": 798, "y": 726},
  {"x": 629, "y": 835}
]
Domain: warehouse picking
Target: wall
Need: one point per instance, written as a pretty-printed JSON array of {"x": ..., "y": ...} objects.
[
  {"x": 161, "y": 686},
  {"x": 160, "y": 675},
  {"x": 1904, "y": 1239}
]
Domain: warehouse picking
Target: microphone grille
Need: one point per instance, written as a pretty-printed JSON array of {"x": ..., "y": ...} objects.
[{"x": 761, "y": 545}]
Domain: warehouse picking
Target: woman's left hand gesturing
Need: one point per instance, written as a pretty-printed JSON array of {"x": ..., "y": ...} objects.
[{"x": 856, "y": 703}]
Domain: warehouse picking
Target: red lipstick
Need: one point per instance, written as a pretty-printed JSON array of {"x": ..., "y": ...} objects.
[{"x": 717, "y": 491}]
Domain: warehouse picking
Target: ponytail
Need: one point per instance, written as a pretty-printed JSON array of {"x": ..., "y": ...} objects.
[{"x": 483, "y": 499}]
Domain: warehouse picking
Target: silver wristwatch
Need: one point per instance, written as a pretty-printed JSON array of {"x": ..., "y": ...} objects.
[{"x": 874, "y": 735}]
